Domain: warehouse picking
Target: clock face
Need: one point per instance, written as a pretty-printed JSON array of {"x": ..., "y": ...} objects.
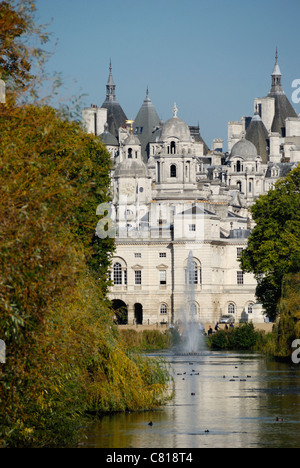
[{"x": 128, "y": 189}]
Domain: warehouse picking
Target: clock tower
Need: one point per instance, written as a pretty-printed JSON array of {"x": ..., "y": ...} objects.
[{"x": 132, "y": 186}]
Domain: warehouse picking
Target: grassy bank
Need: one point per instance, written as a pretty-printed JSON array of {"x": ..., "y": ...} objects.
[{"x": 149, "y": 340}]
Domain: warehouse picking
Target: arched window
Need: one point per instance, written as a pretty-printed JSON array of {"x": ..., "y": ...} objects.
[
  {"x": 238, "y": 166},
  {"x": 173, "y": 147},
  {"x": 173, "y": 171},
  {"x": 163, "y": 309},
  {"x": 193, "y": 274},
  {"x": 117, "y": 273},
  {"x": 239, "y": 184},
  {"x": 193, "y": 310},
  {"x": 231, "y": 308},
  {"x": 129, "y": 153}
]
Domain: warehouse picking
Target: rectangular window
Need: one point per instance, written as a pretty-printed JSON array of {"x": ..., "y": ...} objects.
[
  {"x": 192, "y": 227},
  {"x": 137, "y": 255},
  {"x": 240, "y": 277},
  {"x": 239, "y": 252},
  {"x": 162, "y": 254},
  {"x": 138, "y": 277},
  {"x": 117, "y": 274},
  {"x": 163, "y": 277}
]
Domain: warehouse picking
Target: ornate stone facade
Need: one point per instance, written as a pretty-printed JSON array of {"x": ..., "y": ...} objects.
[{"x": 172, "y": 196}]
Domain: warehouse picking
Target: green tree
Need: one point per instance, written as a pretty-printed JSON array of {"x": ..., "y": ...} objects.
[
  {"x": 64, "y": 355},
  {"x": 273, "y": 249},
  {"x": 21, "y": 42},
  {"x": 288, "y": 328}
]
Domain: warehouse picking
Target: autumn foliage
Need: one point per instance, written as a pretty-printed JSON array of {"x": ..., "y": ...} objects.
[{"x": 64, "y": 357}]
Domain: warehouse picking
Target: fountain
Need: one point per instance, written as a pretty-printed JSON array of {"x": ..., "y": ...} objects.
[{"x": 193, "y": 338}]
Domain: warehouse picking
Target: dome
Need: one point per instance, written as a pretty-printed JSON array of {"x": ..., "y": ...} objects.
[
  {"x": 245, "y": 149},
  {"x": 131, "y": 168},
  {"x": 132, "y": 140},
  {"x": 108, "y": 139},
  {"x": 175, "y": 127}
]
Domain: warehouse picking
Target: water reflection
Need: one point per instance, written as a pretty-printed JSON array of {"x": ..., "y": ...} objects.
[{"x": 221, "y": 400}]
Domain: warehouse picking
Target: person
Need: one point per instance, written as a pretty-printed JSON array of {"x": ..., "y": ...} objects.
[
  {"x": 217, "y": 326},
  {"x": 209, "y": 331},
  {"x": 226, "y": 327}
]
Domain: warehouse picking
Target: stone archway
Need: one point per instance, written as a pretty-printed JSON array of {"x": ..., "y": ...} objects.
[
  {"x": 138, "y": 314},
  {"x": 121, "y": 311}
]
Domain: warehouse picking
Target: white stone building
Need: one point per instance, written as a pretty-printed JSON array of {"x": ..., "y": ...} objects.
[{"x": 173, "y": 198}]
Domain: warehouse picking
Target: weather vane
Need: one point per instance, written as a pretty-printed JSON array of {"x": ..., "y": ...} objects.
[{"x": 130, "y": 122}]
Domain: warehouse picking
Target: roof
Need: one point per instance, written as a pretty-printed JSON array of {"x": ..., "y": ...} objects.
[
  {"x": 197, "y": 210},
  {"x": 244, "y": 149},
  {"x": 108, "y": 139},
  {"x": 284, "y": 169},
  {"x": 258, "y": 135},
  {"x": 175, "y": 128},
  {"x": 240, "y": 233},
  {"x": 131, "y": 168},
  {"x": 283, "y": 107},
  {"x": 283, "y": 110},
  {"x": 146, "y": 122},
  {"x": 132, "y": 140},
  {"x": 116, "y": 117},
  {"x": 195, "y": 133}
]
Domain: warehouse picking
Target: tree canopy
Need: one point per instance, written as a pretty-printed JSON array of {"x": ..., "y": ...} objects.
[
  {"x": 21, "y": 45},
  {"x": 64, "y": 355},
  {"x": 273, "y": 249}
]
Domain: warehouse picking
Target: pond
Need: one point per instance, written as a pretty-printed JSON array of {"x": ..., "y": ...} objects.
[{"x": 222, "y": 400}]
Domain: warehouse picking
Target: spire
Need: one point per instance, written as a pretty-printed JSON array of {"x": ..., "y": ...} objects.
[
  {"x": 283, "y": 108},
  {"x": 276, "y": 76},
  {"x": 276, "y": 70},
  {"x": 116, "y": 117},
  {"x": 110, "y": 87},
  {"x": 147, "y": 99}
]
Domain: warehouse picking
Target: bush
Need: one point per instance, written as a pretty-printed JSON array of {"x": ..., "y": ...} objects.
[{"x": 242, "y": 337}]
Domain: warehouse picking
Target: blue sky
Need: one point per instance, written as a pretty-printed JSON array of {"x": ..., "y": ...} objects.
[{"x": 211, "y": 57}]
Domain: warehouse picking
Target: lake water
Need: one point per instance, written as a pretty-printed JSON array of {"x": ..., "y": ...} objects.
[{"x": 222, "y": 400}]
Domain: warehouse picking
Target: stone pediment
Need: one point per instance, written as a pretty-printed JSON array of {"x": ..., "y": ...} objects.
[
  {"x": 137, "y": 267},
  {"x": 162, "y": 267}
]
